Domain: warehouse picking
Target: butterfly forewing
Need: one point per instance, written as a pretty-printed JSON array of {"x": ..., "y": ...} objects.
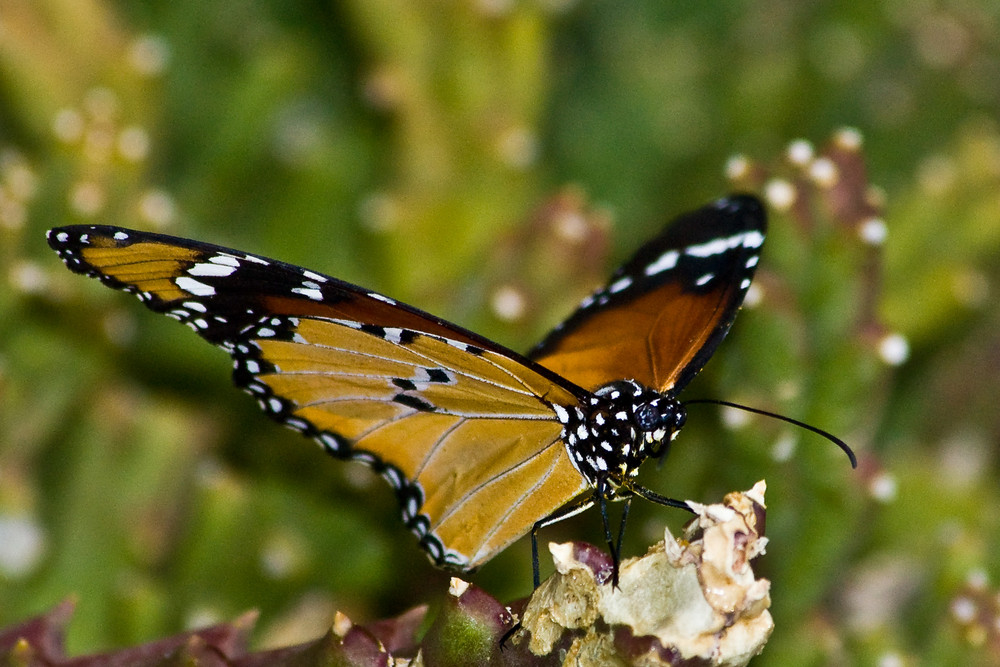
[
  {"x": 168, "y": 272},
  {"x": 463, "y": 429},
  {"x": 664, "y": 311}
]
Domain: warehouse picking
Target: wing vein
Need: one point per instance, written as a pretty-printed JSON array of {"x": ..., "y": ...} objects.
[
  {"x": 541, "y": 480},
  {"x": 523, "y": 387}
]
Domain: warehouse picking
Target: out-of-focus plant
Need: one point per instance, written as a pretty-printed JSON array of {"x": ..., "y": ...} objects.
[{"x": 489, "y": 161}]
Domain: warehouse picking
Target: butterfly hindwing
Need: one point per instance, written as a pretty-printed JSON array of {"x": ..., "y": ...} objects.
[
  {"x": 458, "y": 425},
  {"x": 664, "y": 312},
  {"x": 457, "y": 432}
]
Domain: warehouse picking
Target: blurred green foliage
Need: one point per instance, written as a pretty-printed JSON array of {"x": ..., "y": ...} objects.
[{"x": 428, "y": 149}]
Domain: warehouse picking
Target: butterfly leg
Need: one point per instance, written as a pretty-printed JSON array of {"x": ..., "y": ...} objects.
[
  {"x": 566, "y": 512},
  {"x": 654, "y": 497},
  {"x": 614, "y": 546},
  {"x": 616, "y": 554}
]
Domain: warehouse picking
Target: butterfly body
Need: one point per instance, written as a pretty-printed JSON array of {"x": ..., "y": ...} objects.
[
  {"x": 480, "y": 443},
  {"x": 622, "y": 425}
]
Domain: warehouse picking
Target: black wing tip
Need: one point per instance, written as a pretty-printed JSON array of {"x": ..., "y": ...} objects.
[
  {"x": 66, "y": 242},
  {"x": 743, "y": 204},
  {"x": 76, "y": 230},
  {"x": 73, "y": 236},
  {"x": 743, "y": 200},
  {"x": 59, "y": 237}
]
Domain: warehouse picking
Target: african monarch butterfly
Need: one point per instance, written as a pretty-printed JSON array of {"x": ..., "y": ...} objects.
[{"x": 482, "y": 445}]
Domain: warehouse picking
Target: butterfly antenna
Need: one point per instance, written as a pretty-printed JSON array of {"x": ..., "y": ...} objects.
[{"x": 829, "y": 436}]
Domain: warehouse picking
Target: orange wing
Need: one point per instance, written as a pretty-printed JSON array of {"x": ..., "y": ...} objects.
[
  {"x": 664, "y": 312},
  {"x": 458, "y": 431},
  {"x": 463, "y": 429}
]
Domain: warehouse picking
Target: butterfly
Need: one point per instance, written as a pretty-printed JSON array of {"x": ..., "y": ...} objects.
[{"x": 481, "y": 444}]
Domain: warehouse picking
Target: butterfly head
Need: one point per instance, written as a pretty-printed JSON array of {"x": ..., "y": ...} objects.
[{"x": 660, "y": 420}]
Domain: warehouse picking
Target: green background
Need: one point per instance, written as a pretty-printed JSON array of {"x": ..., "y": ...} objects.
[{"x": 429, "y": 150}]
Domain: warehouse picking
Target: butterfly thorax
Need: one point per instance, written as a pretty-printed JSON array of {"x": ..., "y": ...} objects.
[{"x": 621, "y": 425}]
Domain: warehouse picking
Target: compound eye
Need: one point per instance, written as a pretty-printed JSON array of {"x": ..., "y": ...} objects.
[{"x": 648, "y": 417}]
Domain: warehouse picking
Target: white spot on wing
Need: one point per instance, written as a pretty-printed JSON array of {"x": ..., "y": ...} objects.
[
  {"x": 309, "y": 293},
  {"x": 209, "y": 269},
  {"x": 620, "y": 284},
  {"x": 225, "y": 260},
  {"x": 750, "y": 239},
  {"x": 297, "y": 424},
  {"x": 193, "y": 286},
  {"x": 753, "y": 239},
  {"x": 380, "y": 297},
  {"x": 391, "y": 475},
  {"x": 714, "y": 247},
  {"x": 666, "y": 261},
  {"x": 364, "y": 457},
  {"x": 312, "y": 275},
  {"x": 329, "y": 442}
]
